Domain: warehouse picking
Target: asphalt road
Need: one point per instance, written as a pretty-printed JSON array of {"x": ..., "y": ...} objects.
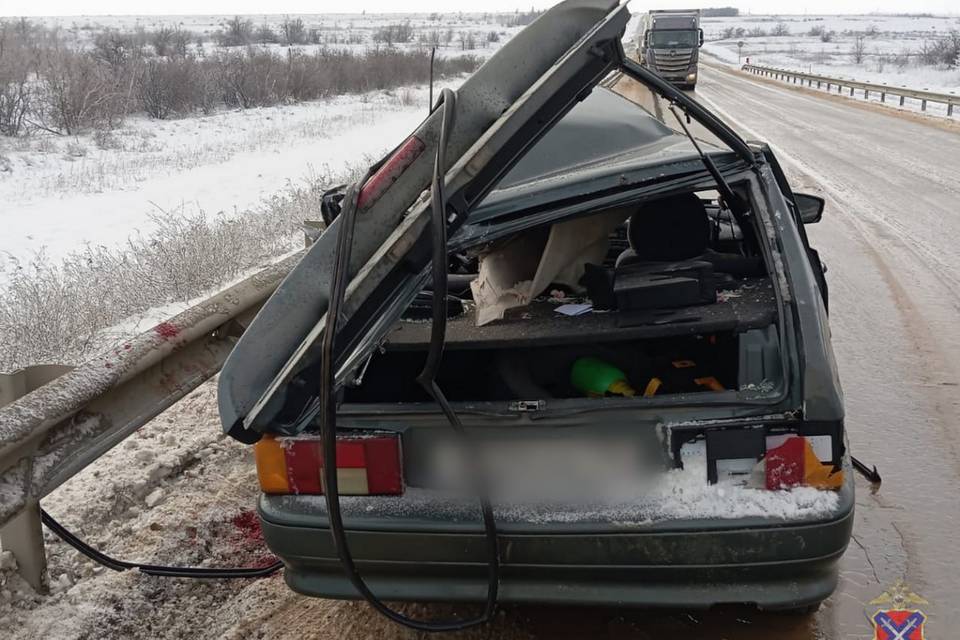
[{"x": 892, "y": 184}]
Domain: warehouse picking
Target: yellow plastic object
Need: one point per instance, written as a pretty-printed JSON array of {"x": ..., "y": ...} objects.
[
  {"x": 710, "y": 383},
  {"x": 621, "y": 388},
  {"x": 652, "y": 387},
  {"x": 819, "y": 474},
  {"x": 271, "y": 465}
]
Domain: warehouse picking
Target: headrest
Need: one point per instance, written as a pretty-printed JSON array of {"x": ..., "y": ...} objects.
[{"x": 670, "y": 229}]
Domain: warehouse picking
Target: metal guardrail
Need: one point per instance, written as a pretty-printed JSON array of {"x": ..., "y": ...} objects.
[
  {"x": 903, "y": 93},
  {"x": 69, "y": 417}
]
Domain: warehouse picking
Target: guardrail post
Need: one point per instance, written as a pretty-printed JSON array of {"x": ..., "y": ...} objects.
[
  {"x": 902, "y": 100},
  {"x": 23, "y": 537},
  {"x": 923, "y": 105},
  {"x": 950, "y": 109},
  {"x": 851, "y": 92},
  {"x": 883, "y": 96},
  {"x": 866, "y": 94},
  {"x": 839, "y": 88}
]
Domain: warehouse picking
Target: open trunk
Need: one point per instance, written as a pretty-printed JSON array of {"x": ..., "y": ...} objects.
[{"x": 660, "y": 315}]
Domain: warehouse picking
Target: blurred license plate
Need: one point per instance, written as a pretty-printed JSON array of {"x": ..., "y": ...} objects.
[{"x": 547, "y": 468}]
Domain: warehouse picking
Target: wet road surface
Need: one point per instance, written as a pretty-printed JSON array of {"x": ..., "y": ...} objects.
[{"x": 889, "y": 238}]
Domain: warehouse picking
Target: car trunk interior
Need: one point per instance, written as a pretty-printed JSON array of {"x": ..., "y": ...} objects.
[{"x": 665, "y": 297}]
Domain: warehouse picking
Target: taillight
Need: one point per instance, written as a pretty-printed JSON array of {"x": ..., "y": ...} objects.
[
  {"x": 756, "y": 457},
  {"x": 795, "y": 463},
  {"x": 389, "y": 172},
  {"x": 366, "y": 465}
]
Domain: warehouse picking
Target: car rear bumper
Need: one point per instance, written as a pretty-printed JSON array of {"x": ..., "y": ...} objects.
[{"x": 774, "y": 565}]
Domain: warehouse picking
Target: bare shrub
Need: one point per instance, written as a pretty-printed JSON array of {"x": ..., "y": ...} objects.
[
  {"x": 827, "y": 36},
  {"x": 162, "y": 41},
  {"x": 47, "y": 85},
  {"x": 780, "y": 29},
  {"x": 391, "y": 34},
  {"x": 76, "y": 92},
  {"x": 943, "y": 52},
  {"x": 816, "y": 31},
  {"x": 60, "y": 311},
  {"x": 266, "y": 35},
  {"x": 881, "y": 61},
  {"x": 756, "y": 32},
  {"x": 105, "y": 140},
  {"x": 115, "y": 48},
  {"x": 167, "y": 87},
  {"x": 15, "y": 70}
]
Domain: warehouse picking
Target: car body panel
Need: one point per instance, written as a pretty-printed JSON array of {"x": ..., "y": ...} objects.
[{"x": 688, "y": 563}]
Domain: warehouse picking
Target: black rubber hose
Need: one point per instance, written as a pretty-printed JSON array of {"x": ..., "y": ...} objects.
[
  {"x": 153, "y": 569},
  {"x": 328, "y": 412}
]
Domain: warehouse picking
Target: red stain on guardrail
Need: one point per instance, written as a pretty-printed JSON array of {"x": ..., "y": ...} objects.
[{"x": 166, "y": 330}]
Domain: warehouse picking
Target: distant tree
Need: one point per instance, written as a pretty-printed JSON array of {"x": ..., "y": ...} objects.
[
  {"x": 859, "y": 50},
  {"x": 467, "y": 41},
  {"x": 721, "y": 12},
  {"x": 293, "y": 31},
  {"x": 781, "y": 29},
  {"x": 237, "y": 32}
]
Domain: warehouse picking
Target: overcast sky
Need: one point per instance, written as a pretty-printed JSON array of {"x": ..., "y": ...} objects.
[{"x": 101, "y": 7}]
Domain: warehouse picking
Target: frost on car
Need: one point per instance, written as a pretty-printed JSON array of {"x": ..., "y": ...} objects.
[{"x": 636, "y": 337}]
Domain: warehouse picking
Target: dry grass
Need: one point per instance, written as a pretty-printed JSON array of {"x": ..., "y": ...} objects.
[{"x": 66, "y": 312}]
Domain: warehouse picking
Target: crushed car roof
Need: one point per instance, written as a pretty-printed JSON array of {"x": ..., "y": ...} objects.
[{"x": 589, "y": 150}]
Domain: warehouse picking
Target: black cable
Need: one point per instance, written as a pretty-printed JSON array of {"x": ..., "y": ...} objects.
[
  {"x": 328, "y": 414},
  {"x": 153, "y": 569}
]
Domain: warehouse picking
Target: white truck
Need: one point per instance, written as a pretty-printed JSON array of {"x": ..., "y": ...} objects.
[{"x": 669, "y": 44}]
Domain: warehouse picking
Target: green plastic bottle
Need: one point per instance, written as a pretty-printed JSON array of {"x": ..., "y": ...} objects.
[{"x": 597, "y": 378}]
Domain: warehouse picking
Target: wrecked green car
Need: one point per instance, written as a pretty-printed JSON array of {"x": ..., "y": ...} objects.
[{"x": 627, "y": 334}]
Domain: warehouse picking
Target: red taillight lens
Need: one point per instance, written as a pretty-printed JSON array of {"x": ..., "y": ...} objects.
[
  {"x": 391, "y": 170},
  {"x": 794, "y": 464},
  {"x": 366, "y": 465}
]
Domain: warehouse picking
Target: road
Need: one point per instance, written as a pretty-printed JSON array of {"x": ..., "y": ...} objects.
[{"x": 889, "y": 237}]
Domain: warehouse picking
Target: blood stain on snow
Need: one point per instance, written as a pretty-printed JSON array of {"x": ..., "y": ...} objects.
[
  {"x": 249, "y": 538},
  {"x": 166, "y": 330}
]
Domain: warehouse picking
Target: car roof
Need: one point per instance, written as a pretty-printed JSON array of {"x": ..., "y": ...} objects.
[{"x": 602, "y": 137}]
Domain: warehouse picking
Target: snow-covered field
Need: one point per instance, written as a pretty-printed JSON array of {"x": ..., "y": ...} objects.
[
  {"x": 60, "y": 193},
  {"x": 478, "y": 33},
  {"x": 891, "y": 46}
]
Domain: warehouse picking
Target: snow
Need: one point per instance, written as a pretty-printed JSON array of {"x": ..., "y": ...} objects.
[
  {"x": 892, "y": 44},
  {"x": 218, "y": 164}
]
